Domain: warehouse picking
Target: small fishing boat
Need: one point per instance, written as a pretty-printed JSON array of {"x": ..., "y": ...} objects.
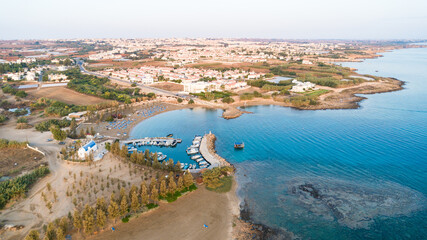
[
  {"x": 169, "y": 135},
  {"x": 196, "y": 157},
  {"x": 239, "y": 145}
]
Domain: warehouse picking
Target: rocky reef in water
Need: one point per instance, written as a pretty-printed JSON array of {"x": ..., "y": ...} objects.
[
  {"x": 354, "y": 204},
  {"x": 261, "y": 231}
]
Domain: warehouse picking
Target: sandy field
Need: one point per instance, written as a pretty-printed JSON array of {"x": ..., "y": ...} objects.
[
  {"x": 66, "y": 95},
  {"x": 183, "y": 219}
]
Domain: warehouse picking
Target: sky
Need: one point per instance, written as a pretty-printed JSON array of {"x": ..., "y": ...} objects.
[{"x": 284, "y": 19}]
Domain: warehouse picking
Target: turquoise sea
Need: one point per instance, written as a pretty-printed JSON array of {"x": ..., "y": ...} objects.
[{"x": 327, "y": 174}]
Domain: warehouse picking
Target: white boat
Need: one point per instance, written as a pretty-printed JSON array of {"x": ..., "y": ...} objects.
[
  {"x": 192, "y": 151},
  {"x": 196, "y": 156},
  {"x": 195, "y": 146},
  {"x": 161, "y": 156}
]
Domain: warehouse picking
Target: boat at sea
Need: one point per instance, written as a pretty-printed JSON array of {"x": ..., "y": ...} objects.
[
  {"x": 239, "y": 145},
  {"x": 196, "y": 157}
]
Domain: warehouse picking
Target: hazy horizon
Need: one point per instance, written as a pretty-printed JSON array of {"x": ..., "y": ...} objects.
[{"x": 307, "y": 19}]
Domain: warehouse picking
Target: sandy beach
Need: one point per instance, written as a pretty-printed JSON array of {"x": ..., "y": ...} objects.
[{"x": 183, "y": 219}]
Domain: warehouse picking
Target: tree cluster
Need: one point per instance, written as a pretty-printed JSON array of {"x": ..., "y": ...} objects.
[
  {"x": 101, "y": 87},
  {"x": 17, "y": 187}
]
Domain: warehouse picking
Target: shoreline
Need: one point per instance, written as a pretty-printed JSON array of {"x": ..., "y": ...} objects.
[{"x": 238, "y": 210}]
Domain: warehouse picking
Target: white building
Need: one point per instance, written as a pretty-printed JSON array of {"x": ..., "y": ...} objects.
[
  {"x": 57, "y": 77},
  {"x": 88, "y": 148},
  {"x": 15, "y": 76},
  {"x": 198, "y": 87},
  {"x": 302, "y": 86},
  {"x": 31, "y": 76},
  {"x": 305, "y": 61}
]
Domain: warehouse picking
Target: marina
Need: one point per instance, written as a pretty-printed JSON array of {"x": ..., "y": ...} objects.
[
  {"x": 161, "y": 142},
  {"x": 198, "y": 158},
  {"x": 197, "y": 152}
]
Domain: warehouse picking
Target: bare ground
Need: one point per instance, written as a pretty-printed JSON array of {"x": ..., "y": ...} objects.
[
  {"x": 168, "y": 86},
  {"x": 66, "y": 95},
  {"x": 16, "y": 160},
  {"x": 183, "y": 219}
]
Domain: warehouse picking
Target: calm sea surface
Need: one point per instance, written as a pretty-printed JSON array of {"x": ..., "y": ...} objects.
[{"x": 327, "y": 174}]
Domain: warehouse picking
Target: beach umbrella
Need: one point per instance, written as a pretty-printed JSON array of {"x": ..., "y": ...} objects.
[
  {"x": 204, "y": 225},
  {"x": 113, "y": 229}
]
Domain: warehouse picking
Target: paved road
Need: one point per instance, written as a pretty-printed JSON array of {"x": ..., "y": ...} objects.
[{"x": 143, "y": 87}]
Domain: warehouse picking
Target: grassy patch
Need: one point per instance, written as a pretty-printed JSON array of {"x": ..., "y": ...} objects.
[
  {"x": 173, "y": 197},
  {"x": 125, "y": 219},
  {"x": 151, "y": 206},
  {"x": 317, "y": 93},
  {"x": 226, "y": 183},
  {"x": 213, "y": 95}
]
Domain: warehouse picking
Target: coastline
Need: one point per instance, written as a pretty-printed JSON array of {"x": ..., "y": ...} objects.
[
  {"x": 241, "y": 224},
  {"x": 337, "y": 98}
]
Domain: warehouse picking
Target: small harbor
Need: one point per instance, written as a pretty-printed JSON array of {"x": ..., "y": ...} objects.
[{"x": 200, "y": 153}]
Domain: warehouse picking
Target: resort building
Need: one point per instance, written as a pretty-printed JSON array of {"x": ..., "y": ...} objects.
[
  {"x": 302, "y": 86},
  {"x": 76, "y": 115},
  {"x": 88, "y": 148}
]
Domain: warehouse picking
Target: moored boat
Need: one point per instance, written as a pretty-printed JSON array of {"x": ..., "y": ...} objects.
[{"x": 239, "y": 145}]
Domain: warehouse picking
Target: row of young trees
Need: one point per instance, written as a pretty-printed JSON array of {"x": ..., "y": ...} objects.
[
  {"x": 147, "y": 158},
  {"x": 93, "y": 218},
  {"x": 17, "y": 187}
]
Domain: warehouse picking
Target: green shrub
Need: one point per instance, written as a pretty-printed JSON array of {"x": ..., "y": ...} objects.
[
  {"x": 22, "y": 120},
  {"x": 125, "y": 219},
  {"x": 228, "y": 100},
  {"x": 45, "y": 125},
  {"x": 151, "y": 205}
]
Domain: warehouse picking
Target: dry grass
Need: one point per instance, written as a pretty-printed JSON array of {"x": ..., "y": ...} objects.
[
  {"x": 14, "y": 161},
  {"x": 66, "y": 95},
  {"x": 174, "y": 87}
]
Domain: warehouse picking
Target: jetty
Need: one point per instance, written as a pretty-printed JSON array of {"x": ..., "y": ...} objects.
[
  {"x": 157, "y": 141},
  {"x": 207, "y": 150}
]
